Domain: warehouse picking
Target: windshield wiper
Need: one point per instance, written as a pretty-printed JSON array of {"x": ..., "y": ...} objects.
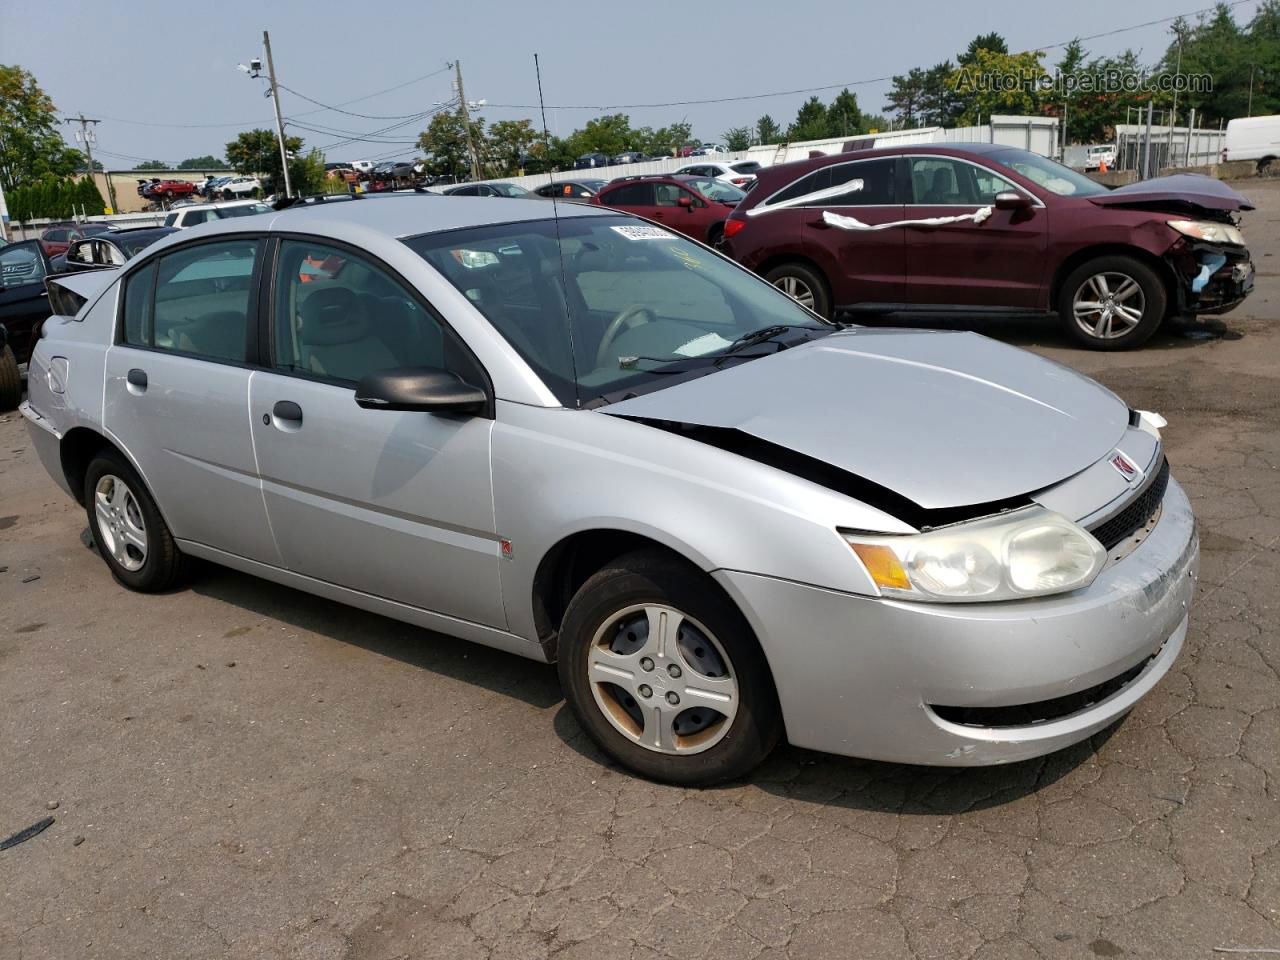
[{"x": 754, "y": 337}]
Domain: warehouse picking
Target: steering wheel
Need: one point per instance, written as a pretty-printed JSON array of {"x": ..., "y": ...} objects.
[{"x": 628, "y": 319}]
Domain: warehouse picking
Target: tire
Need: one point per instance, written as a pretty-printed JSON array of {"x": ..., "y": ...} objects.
[
  {"x": 715, "y": 235},
  {"x": 168, "y": 195},
  {"x": 10, "y": 380},
  {"x": 607, "y": 623},
  {"x": 1264, "y": 165},
  {"x": 1138, "y": 307},
  {"x": 228, "y": 195},
  {"x": 114, "y": 494},
  {"x": 805, "y": 285}
]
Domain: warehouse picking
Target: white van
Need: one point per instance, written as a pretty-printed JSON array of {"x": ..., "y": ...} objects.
[{"x": 1253, "y": 138}]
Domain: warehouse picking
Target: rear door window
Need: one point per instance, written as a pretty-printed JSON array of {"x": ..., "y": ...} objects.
[
  {"x": 629, "y": 195},
  {"x": 202, "y": 302}
]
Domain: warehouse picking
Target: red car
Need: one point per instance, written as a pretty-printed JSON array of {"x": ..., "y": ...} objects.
[
  {"x": 157, "y": 189},
  {"x": 695, "y": 206},
  {"x": 1011, "y": 232},
  {"x": 56, "y": 240}
]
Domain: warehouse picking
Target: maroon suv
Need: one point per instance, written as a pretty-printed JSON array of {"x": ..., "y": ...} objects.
[
  {"x": 1028, "y": 235},
  {"x": 695, "y": 206}
]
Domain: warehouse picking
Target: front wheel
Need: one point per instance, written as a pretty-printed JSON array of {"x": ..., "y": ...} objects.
[
  {"x": 130, "y": 534},
  {"x": 1112, "y": 303},
  {"x": 803, "y": 285},
  {"x": 664, "y": 674}
]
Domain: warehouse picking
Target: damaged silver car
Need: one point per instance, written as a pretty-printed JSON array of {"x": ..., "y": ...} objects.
[{"x": 585, "y": 439}]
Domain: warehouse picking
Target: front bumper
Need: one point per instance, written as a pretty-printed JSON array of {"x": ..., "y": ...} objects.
[
  {"x": 861, "y": 676},
  {"x": 1229, "y": 281}
]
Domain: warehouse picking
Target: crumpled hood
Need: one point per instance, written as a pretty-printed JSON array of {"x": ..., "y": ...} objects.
[
  {"x": 944, "y": 419},
  {"x": 1178, "y": 191}
]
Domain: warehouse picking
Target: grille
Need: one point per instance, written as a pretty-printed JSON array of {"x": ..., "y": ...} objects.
[
  {"x": 1137, "y": 513},
  {"x": 1028, "y": 714}
]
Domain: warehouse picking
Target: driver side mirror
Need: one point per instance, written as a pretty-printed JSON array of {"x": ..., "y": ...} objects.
[
  {"x": 685, "y": 201},
  {"x": 428, "y": 389},
  {"x": 1012, "y": 200}
]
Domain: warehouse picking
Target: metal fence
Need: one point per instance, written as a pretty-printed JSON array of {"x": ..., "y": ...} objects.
[{"x": 1148, "y": 149}]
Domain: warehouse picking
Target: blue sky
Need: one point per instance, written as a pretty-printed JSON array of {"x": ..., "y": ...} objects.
[{"x": 170, "y": 68}]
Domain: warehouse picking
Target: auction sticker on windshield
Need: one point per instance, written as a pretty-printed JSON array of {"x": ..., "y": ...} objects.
[{"x": 638, "y": 232}]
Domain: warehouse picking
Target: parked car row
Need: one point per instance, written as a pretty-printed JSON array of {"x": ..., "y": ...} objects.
[
  {"x": 235, "y": 187},
  {"x": 579, "y": 436}
]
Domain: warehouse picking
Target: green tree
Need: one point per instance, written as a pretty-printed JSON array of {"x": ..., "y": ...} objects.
[
  {"x": 89, "y": 198},
  {"x": 844, "y": 119},
  {"x": 257, "y": 153},
  {"x": 941, "y": 105},
  {"x": 207, "y": 162},
  {"x": 991, "y": 42},
  {"x": 982, "y": 98},
  {"x": 30, "y": 145},
  {"x": 906, "y": 97},
  {"x": 152, "y": 165},
  {"x": 445, "y": 144},
  {"x": 609, "y": 134},
  {"x": 767, "y": 130},
  {"x": 508, "y": 144},
  {"x": 737, "y": 138},
  {"x": 810, "y": 122}
]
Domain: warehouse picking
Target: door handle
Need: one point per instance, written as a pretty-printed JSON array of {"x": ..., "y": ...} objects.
[
  {"x": 137, "y": 381},
  {"x": 286, "y": 415}
]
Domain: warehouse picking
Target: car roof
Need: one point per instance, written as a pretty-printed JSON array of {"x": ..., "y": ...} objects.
[{"x": 407, "y": 215}]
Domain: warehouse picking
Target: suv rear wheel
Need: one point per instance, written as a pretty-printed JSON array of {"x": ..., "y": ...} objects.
[
  {"x": 1112, "y": 303},
  {"x": 804, "y": 285},
  {"x": 664, "y": 673}
]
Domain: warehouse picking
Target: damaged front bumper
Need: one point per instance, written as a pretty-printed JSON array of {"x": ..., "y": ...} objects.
[
  {"x": 1211, "y": 278},
  {"x": 974, "y": 684}
]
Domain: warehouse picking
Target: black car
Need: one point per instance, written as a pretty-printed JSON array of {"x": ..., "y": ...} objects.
[
  {"x": 488, "y": 190},
  {"x": 114, "y": 250},
  {"x": 570, "y": 189},
  {"x": 589, "y": 160},
  {"x": 629, "y": 156},
  {"x": 24, "y": 305}
]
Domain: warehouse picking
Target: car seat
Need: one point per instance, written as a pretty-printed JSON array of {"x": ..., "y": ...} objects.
[{"x": 336, "y": 337}]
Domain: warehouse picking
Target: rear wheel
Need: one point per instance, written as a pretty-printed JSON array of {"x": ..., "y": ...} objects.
[
  {"x": 715, "y": 235},
  {"x": 131, "y": 536},
  {"x": 10, "y": 380},
  {"x": 663, "y": 672},
  {"x": 804, "y": 285},
  {"x": 1112, "y": 303}
]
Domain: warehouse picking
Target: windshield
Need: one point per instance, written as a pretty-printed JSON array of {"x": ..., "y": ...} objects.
[
  {"x": 243, "y": 210},
  {"x": 509, "y": 190},
  {"x": 1053, "y": 176},
  {"x": 714, "y": 189},
  {"x": 129, "y": 246},
  {"x": 626, "y": 306}
]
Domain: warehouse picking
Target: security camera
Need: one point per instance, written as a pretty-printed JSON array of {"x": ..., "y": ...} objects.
[{"x": 255, "y": 66}]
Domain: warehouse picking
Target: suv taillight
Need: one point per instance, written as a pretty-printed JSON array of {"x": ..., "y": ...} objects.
[{"x": 733, "y": 227}]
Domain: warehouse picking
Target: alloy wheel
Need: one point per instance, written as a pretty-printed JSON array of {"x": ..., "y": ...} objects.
[
  {"x": 1108, "y": 305},
  {"x": 120, "y": 526},
  {"x": 662, "y": 680},
  {"x": 796, "y": 289}
]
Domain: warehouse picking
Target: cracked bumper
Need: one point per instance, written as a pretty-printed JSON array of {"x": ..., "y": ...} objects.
[{"x": 857, "y": 676}]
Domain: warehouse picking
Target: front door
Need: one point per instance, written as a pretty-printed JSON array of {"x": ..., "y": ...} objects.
[
  {"x": 177, "y": 393},
  {"x": 862, "y": 266},
  {"x": 390, "y": 503},
  {"x": 23, "y": 299},
  {"x": 997, "y": 263}
]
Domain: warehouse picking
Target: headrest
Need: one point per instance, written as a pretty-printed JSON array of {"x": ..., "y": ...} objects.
[{"x": 333, "y": 315}]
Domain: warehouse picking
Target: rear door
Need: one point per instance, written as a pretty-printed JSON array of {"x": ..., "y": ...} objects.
[
  {"x": 997, "y": 263},
  {"x": 394, "y": 504},
  {"x": 177, "y": 392},
  {"x": 634, "y": 198},
  {"x": 862, "y": 266}
]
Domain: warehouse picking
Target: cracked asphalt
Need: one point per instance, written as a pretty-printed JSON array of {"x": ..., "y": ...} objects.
[{"x": 244, "y": 771}]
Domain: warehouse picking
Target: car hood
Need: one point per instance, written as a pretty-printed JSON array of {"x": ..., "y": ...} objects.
[
  {"x": 943, "y": 419},
  {"x": 1177, "y": 191}
]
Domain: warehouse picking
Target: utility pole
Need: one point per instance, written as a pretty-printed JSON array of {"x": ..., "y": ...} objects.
[
  {"x": 275, "y": 100},
  {"x": 87, "y": 137},
  {"x": 1252, "y": 68},
  {"x": 466, "y": 123}
]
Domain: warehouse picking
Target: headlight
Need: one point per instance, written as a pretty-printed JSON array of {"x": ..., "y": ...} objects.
[
  {"x": 1209, "y": 230},
  {"x": 1029, "y": 553}
]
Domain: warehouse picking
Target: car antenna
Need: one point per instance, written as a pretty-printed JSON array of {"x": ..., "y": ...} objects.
[{"x": 555, "y": 213}]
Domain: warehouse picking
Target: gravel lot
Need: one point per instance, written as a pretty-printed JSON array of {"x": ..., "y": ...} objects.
[{"x": 244, "y": 771}]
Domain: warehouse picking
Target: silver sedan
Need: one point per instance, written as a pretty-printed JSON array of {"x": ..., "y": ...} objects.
[{"x": 578, "y": 437}]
